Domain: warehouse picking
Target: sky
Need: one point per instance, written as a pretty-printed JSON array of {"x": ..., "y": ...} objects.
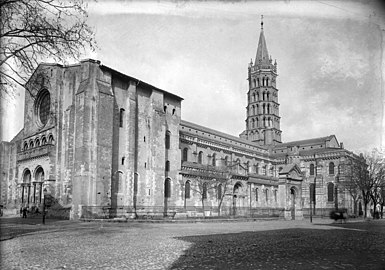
[{"x": 329, "y": 56}]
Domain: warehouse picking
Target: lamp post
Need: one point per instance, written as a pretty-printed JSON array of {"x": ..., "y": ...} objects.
[{"x": 44, "y": 195}]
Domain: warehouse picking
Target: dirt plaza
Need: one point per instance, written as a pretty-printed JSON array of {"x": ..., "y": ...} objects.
[{"x": 27, "y": 244}]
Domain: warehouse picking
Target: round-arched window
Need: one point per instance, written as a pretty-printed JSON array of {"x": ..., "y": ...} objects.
[{"x": 43, "y": 103}]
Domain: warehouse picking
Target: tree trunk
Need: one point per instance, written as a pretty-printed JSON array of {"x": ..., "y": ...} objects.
[{"x": 203, "y": 207}]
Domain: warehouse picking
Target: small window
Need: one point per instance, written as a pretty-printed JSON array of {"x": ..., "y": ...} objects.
[
  {"x": 311, "y": 169},
  {"x": 123, "y": 158},
  {"x": 200, "y": 157},
  {"x": 219, "y": 192},
  {"x": 204, "y": 191},
  {"x": 187, "y": 189},
  {"x": 167, "y": 188},
  {"x": 331, "y": 168},
  {"x": 256, "y": 194},
  {"x": 312, "y": 193},
  {"x": 31, "y": 144},
  {"x": 185, "y": 154},
  {"x": 330, "y": 192},
  {"x": 25, "y": 147},
  {"x": 275, "y": 195},
  {"x": 267, "y": 195},
  {"x": 121, "y": 117},
  {"x": 214, "y": 160},
  {"x": 167, "y": 140},
  {"x": 167, "y": 166},
  {"x": 43, "y": 141}
]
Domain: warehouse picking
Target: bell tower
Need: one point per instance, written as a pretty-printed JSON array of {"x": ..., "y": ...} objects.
[{"x": 262, "y": 111}]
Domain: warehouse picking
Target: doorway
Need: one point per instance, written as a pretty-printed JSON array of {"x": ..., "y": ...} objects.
[{"x": 292, "y": 202}]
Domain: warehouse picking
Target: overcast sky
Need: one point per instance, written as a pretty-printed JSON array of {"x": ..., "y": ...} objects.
[{"x": 329, "y": 57}]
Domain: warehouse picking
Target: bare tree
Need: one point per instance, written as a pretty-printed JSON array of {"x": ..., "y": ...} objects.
[
  {"x": 202, "y": 187},
  {"x": 376, "y": 169},
  {"x": 222, "y": 187},
  {"x": 32, "y": 31}
]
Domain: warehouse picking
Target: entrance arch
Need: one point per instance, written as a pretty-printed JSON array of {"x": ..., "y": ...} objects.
[
  {"x": 236, "y": 190},
  {"x": 292, "y": 202}
]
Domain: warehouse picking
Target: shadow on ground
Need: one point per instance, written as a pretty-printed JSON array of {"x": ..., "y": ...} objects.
[{"x": 285, "y": 249}]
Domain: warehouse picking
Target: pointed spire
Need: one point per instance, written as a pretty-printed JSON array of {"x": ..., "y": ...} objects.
[{"x": 262, "y": 53}]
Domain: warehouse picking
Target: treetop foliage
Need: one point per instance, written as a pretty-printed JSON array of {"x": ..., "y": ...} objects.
[{"x": 33, "y": 31}]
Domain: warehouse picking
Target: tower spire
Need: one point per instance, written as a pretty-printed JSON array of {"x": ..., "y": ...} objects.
[{"x": 262, "y": 56}]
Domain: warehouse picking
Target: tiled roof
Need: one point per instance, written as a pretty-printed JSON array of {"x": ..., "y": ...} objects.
[
  {"x": 220, "y": 134},
  {"x": 305, "y": 142}
]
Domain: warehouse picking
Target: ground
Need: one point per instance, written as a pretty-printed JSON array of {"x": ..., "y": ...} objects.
[{"x": 27, "y": 244}]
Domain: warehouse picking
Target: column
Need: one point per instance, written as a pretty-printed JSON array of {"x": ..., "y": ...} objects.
[
  {"x": 40, "y": 190},
  {"x": 22, "y": 194},
  {"x": 29, "y": 193},
  {"x": 34, "y": 192}
]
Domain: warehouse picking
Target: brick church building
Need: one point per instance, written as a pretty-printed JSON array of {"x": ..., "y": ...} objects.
[{"x": 97, "y": 141}]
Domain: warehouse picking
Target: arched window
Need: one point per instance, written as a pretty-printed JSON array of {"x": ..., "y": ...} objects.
[
  {"x": 271, "y": 171},
  {"x": 204, "y": 191},
  {"x": 331, "y": 168},
  {"x": 264, "y": 108},
  {"x": 167, "y": 139},
  {"x": 167, "y": 188},
  {"x": 264, "y": 96},
  {"x": 121, "y": 117},
  {"x": 214, "y": 160},
  {"x": 43, "y": 140},
  {"x": 167, "y": 166},
  {"x": 257, "y": 96},
  {"x": 275, "y": 195},
  {"x": 312, "y": 192},
  {"x": 256, "y": 194},
  {"x": 31, "y": 144},
  {"x": 257, "y": 168},
  {"x": 254, "y": 84},
  {"x": 226, "y": 160},
  {"x": 258, "y": 83},
  {"x": 263, "y": 81},
  {"x": 252, "y": 123},
  {"x": 257, "y": 122},
  {"x": 39, "y": 175},
  {"x": 253, "y": 97},
  {"x": 27, "y": 176},
  {"x": 219, "y": 192},
  {"x": 311, "y": 169},
  {"x": 264, "y": 171},
  {"x": 123, "y": 158},
  {"x": 268, "y": 108},
  {"x": 185, "y": 154},
  {"x": 330, "y": 192},
  {"x": 267, "y": 195},
  {"x": 25, "y": 147},
  {"x": 50, "y": 139},
  {"x": 200, "y": 157},
  {"x": 37, "y": 142},
  {"x": 43, "y": 106},
  {"x": 257, "y": 109},
  {"x": 187, "y": 189}
]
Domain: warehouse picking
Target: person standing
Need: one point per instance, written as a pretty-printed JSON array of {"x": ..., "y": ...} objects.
[{"x": 25, "y": 212}]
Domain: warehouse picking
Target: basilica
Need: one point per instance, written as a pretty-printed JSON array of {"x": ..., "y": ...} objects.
[{"x": 98, "y": 143}]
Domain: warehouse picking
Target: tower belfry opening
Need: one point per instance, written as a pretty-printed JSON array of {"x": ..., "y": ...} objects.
[{"x": 262, "y": 111}]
